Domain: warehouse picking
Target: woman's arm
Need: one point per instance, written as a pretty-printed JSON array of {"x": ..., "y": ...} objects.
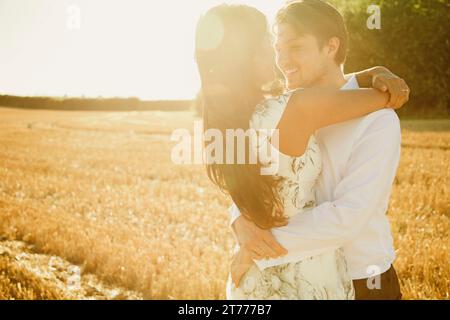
[{"x": 311, "y": 109}]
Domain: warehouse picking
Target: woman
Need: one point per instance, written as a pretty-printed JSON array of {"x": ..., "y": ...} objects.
[{"x": 236, "y": 60}]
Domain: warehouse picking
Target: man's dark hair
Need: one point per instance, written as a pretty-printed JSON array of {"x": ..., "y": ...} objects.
[{"x": 318, "y": 18}]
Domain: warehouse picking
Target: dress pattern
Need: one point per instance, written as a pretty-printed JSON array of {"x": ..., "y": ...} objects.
[{"x": 322, "y": 276}]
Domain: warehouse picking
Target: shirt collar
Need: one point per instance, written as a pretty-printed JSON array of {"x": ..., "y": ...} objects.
[{"x": 351, "y": 83}]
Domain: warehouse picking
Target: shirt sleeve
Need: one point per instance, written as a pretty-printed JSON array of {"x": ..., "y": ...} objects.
[{"x": 364, "y": 188}]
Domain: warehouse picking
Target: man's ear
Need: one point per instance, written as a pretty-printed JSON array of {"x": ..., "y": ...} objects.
[{"x": 333, "y": 46}]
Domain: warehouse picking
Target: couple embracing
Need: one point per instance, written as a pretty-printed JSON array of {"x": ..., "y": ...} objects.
[{"x": 316, "y": 228}]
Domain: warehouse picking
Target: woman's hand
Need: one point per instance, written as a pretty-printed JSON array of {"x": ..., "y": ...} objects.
[{"x": 240, "y": 264}]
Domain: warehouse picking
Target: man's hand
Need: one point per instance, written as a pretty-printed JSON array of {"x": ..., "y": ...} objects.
[
  {"x": 384, "y": 80},
  {"x": 260, "y": 243},
  {"x": 240, "y": 264}
]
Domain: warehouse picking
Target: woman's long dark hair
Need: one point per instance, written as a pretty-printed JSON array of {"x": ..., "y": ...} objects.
[{"x": 228, "y": 39}]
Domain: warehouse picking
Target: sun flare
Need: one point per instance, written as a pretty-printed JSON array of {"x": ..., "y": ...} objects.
[{"x": 138, "y": 48}]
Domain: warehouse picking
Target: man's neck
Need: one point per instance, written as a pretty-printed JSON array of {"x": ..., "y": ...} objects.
[{"x": 334, "y": 78}]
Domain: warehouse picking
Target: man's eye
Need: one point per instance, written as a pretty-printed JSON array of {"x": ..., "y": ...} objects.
[{"x": 296, "y": 47}]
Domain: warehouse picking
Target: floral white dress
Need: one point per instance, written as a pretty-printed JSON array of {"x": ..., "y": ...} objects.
[{"x": 322, "y": 276}]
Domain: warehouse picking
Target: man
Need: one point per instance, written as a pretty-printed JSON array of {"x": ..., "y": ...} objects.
[{"x": 360, "y": 159}]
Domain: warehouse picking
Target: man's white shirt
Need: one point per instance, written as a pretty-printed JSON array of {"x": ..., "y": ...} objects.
[{"x": 360, "y": 159}]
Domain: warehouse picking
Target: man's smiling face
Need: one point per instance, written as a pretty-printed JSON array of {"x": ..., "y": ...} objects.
[{"x": 299, "y": 57}]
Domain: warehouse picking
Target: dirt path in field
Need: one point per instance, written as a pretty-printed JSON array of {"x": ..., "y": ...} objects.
[{"x": 25, "y": 274}]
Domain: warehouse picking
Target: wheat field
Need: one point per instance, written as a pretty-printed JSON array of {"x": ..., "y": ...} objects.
[{"x": 99, "y": 190}]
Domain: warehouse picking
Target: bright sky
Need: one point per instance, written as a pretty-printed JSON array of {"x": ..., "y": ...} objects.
[{"x": 141, "y": 48}]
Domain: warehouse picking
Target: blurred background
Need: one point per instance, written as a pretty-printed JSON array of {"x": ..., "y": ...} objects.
[
  {"x": 144, "y": 50},
  {"x": 413, "y": 41},
  {"x": 91, "y": 205}
]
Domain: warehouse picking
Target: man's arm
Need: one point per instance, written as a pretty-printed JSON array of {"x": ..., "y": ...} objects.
[{"x": 365, "y": 186}]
